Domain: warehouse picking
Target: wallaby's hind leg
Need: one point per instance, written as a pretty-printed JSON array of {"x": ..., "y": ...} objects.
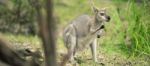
[
  {"x": 71, "y": 49},
  {"x": 70, "y": 41},
  {"x": 93, "y": 50}
]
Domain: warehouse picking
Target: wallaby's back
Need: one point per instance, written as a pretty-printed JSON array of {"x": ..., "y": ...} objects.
[{"x": 81, "y": 23}]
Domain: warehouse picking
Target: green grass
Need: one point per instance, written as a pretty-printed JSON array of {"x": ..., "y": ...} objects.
[
  {"x": 138, "y": 28},
  {"x": 11, "y": 38}
]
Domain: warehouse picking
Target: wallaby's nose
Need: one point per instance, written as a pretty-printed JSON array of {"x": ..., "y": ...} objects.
[{"x": 108, "y": 18}]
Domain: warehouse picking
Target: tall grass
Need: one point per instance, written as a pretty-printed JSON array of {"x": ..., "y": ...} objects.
[
  {"x": 140, "y": 34},
  {"x": 137, "y": 16}
]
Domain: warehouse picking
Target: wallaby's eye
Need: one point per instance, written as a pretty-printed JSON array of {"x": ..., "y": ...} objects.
[{"x": 102, "y": 14}]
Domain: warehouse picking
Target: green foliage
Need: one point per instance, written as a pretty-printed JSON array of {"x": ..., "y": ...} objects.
[
  {"x": 18, "y": 15},
  {"x": 139, "y": 27},
  {"x": 137, "y": 15}
]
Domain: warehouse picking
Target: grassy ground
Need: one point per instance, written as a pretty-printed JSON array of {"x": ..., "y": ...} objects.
[{"x": 125, "y": 42}]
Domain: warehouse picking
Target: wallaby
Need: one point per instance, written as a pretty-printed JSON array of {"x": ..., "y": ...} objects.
[{"x": 83, "y": 31}]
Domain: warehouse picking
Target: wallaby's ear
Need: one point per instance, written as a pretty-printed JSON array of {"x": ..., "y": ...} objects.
[
  {"x": 103, "y": 9},
  {"x": 95, "y": 9}
]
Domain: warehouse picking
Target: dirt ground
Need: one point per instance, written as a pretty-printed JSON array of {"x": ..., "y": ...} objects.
[{"x": 83, "y": 58}]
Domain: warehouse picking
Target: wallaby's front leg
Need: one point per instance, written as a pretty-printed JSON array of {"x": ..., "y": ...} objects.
[{"x": 93, "y": 46}]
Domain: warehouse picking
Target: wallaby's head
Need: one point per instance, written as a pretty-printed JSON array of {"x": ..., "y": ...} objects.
[{"x": 101, "y": 15}]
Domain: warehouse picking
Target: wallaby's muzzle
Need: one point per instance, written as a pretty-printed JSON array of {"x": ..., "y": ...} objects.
[{"x": 108, "y": 18}]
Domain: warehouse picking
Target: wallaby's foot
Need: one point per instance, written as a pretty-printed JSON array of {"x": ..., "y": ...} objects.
[
  {"x": 99, "y": 62},
  {"x": 73, "y": 63},
  {"x": 96, "y": 60}
]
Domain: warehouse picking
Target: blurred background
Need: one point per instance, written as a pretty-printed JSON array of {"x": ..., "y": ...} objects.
[{"x": 126, "y": 41}]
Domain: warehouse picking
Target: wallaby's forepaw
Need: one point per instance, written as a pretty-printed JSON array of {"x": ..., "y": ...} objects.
[
  {"x": 98, "y": 36},
  {"x": 102, "y": 27}
]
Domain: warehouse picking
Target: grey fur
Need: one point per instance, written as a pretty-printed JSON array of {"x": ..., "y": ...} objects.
[{"x": 82, "y": 32}]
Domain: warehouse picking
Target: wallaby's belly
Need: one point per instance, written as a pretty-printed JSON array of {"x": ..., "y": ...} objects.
[{"x": 84, "y": 42}]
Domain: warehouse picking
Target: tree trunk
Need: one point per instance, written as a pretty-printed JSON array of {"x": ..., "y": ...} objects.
[{"x": 46, "y": 32}]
